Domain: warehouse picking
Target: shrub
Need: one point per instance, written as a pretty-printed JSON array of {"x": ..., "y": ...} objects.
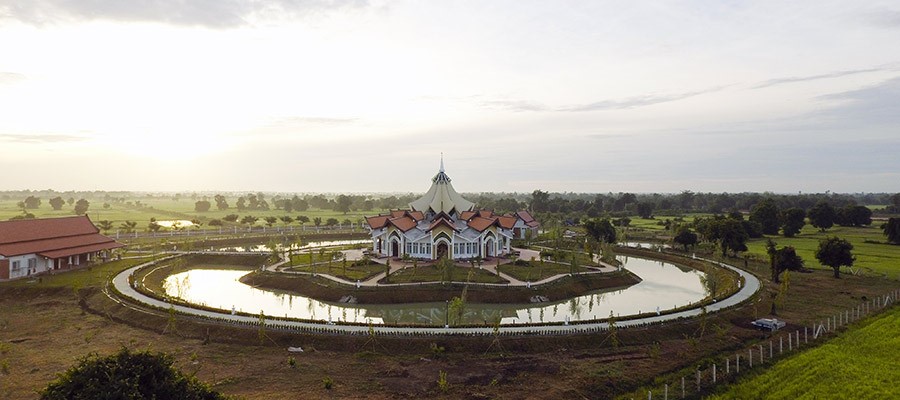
[{"x": 127, "y": 375}]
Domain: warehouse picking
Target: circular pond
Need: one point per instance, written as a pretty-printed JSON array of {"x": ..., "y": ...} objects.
[{"x": 664, "y": 286}]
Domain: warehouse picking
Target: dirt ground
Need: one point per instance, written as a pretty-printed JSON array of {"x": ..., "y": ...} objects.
[{"x": 44, "y": 331}]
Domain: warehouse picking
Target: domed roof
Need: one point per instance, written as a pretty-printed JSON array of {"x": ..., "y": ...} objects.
[{"x": 441, "y": 197}]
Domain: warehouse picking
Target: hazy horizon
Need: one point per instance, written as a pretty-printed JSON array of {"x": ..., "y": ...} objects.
[{"x": 364, "y": 96}]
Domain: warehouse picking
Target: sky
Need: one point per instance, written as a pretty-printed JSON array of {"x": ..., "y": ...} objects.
[{"x": 365, "y": 96}]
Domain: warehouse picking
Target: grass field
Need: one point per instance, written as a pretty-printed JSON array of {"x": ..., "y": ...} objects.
[
  {"x": 169, "y": 209},
  {"x": 351, "y": 272},
  {"x": 537, "y": 270},
  {"x": 860, "y": 364},
  {"x": 431, "y": 273},
  {"x": 871, "y": 256}
]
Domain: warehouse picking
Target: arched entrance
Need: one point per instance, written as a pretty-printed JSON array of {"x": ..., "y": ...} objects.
[
  {"x": 395, "y": 248},
  {"x": 378, "y": 248},
  {"x": 442, "y": 249},
  {"x": 489, "y": 247}
]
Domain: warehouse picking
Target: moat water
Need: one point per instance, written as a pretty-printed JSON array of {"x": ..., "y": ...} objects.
[{"x": 664, "y": 286}]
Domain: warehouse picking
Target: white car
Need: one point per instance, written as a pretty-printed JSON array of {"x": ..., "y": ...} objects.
[{"x": 771, "y": 324}]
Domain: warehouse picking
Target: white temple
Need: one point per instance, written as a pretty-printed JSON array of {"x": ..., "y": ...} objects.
[{"x": 443, "y": 223}]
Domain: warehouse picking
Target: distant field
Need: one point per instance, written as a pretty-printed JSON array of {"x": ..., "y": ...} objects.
[
  {"x": 871, "y": 257},
  {"x": 860, "y": 364},
  {"x": 169, "y": 209}
]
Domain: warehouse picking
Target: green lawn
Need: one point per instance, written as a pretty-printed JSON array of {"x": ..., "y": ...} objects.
[
  {"x": 93, "y": 276},
  {"x": 860, "y": 364},
  {"x": 351, "y": 272},
  {"x": 874, "y": 257},
  {"x": 432, "y": 274},
  {"x": 164, "y": 208},
  {"x": 536, "y": 270}
]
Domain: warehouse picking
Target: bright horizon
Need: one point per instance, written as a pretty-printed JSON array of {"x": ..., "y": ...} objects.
[{"x": 356, "y": 96}]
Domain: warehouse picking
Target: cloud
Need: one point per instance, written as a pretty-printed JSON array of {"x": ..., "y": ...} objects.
[
  {"x": 638, "y": 101},
  {"x": 876, "y": 105},
  {"x": 884, "y": 18},
  {"x": 312, "y": 121},
  {"x": 11, "y": 77},
  {"x": 513, "y": 105},
  {"x": 208, "y": 13},
  {"x": 779, "y": 81},
  {"x": 18, "y": 138}
]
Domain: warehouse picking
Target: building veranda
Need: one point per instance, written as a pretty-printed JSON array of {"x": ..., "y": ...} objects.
[
  {"x": 442, "y": 223},
  {"x": 33, "y": 246}
]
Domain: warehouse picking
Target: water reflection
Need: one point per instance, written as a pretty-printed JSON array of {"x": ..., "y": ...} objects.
[{"x": 664, "y": 286}]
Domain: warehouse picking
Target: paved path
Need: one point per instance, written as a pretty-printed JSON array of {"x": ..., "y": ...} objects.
[{"x": 749, "y": 288}]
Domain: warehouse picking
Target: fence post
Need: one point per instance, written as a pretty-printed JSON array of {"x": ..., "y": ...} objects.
[
  {"x": 698, "y": 380},
  {"x": 805, "y": 336},
  {"x": 790, "y": 342},
  {"x": 762, "y": 358},
  {"x": 666, "y": 392},
  {"x": 750, "y": 360},
  {"x": 714, "y": 373},
  {"x": 727, "y": 366},
  {"x": 770, "y": 349},
  {"x": 737, "y": 364},
  {"x": 781, "y": 345}
]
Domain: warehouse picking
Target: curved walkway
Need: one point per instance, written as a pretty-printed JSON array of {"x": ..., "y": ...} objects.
[{"x": 750, "y": 286}]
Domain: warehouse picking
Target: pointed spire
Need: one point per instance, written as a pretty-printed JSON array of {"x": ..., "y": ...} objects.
[{"x": 442, "y": 162}]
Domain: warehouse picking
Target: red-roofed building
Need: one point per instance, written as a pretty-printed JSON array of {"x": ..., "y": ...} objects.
[
  {"x": 443, "y": 223},
  {"x": 33, "y": 246}
]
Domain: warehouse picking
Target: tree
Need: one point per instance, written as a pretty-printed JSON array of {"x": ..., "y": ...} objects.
[
  {"x": 221, "y": 202},
  {"x": 852, "y": 215},
  {"x": 70, "y": 200},
  {"x": 249, "y": 220},
  {"x": 600, "y": 230},
  {"x": 766, "y": 214},
  {"x": 241, "y": 203},
  {"x": 105, "y": 225},
  {"x": 57, "y": 203},
  {"x": 81, "y": 206},
  {"x": 317, "y": 221},
  {"x": 32, "y": 202},
  {"x": 231, "y": 218},
  {"x": 645, "y": 209},
  {"x": 128, "y": 226},
  {"x": 302, "y": 219},
  {"x": 202, "y": 206},
  {"x": 270, "y": 221},
  {"x": 331, "y": 222},
  {"x": 892, "y": 230},
  {"x": 786, "y": 259},
  {"x": 287, "y": 219},
  {"x": 539, "y": 200},
  {"x": 127, "y": 375},
  {"x": 835, "y": 252},
  {"x": 343, "y": 203},
  {"x": 685, "y": 237},
  {"x": 792, "y": 221},
  {"x": 822, "y": 215}
]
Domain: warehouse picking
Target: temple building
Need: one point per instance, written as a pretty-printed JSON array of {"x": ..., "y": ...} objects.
[
  {"x": 34, "y": 246},
  {"x": 443, "y": 223}
]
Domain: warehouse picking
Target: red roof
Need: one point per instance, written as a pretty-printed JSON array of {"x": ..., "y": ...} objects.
[
  {"x": 485, "y": 213},
  {"x": 467, "y": 215},
  {"x": 480, "y": 224},
  {"x": 507, "y": 222},
  {"x": 441, "y": 221},
  {"x": 51, "y": 236},
  {"x": 525, "y": 216},
  {"x": 417, "y": 215},
  {"x": 398, "y": 213},
  {"x": 403, "y": 223},
  {"x": 378, "y": 221}
]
